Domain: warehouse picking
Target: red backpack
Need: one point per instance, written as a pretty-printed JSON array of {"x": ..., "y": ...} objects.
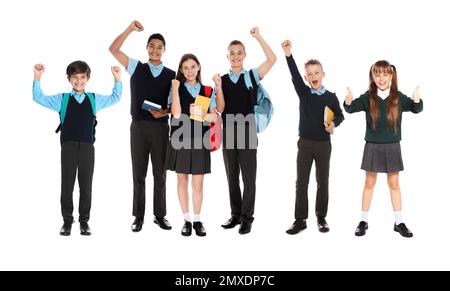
[{"x": 215, "y": 129}]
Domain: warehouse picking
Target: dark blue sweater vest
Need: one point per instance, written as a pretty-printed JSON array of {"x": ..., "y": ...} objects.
[
  {"x": 238, "y": 98},
  {"x": 79, "y": 123},
  {"x": 144, "y": 86}
]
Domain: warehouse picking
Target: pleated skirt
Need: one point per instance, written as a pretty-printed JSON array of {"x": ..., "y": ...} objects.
[
  {"x": 188, "y": 161},
  {"x": 382, "y": 158}
]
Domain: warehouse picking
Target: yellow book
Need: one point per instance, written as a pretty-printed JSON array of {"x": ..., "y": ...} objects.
[
  {"x": 328, "y": 116},
  {"x": 203, "y": 103}
]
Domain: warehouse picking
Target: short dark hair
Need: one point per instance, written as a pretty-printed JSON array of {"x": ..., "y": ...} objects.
[
  {"x": 78, "y": 67},
  {"x": 313, "y": 62},
  {"x": 157, "y": 36},
  {"x": 236, "y": 42}
]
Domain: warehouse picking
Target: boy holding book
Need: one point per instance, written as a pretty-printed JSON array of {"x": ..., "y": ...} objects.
[
  {"x": 314, "y": 143},
  {"x": 150, "y": 81}
]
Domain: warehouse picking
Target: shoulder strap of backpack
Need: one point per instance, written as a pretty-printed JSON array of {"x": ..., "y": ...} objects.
[
  {"x": 91, "y": 97},
  {"x": 253, "y": 80},
  {"x": 64, "y": 104},
  {"x": 62, "y": 113},
  {"x": 248, "y": 81},
  {"x": 208, "y": 91}
]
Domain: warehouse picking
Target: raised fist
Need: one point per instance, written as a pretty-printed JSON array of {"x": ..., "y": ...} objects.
[
  {"x": 116, "y": 72},
  {"x": 255, "y": 32},
  {"x": 175, "y": 84},
  {"x": 287, "y": 46},
  {"x": 217, "y": 80},
  {"x": 136, "y": 26}
]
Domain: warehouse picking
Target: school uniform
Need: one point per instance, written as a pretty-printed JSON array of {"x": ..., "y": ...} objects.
[
  {"x": 240, "y": 153},
  {"x": 314, "y": 144},
  {"x": 195, "y": 158},
  {"x": 77, "y": 144},
  {"x": 149, "y": 136},
  {"x": 382, "y": 152}
]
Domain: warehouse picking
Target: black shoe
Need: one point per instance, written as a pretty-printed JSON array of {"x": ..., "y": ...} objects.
[
  {"x": 163, "y": 223},
  {"x": 403, "y": 230},
  {"x": 231, "y": 223},
  {"x": 187, "y": 229},
  {"x": 361, "y": 229},
  {"x": 137, "y": 224},
  {"x": 66, "y": 229},
  {"x": 297, "y": 226},
  {"x": 322, "y": 224},
  {"x": 246, "y": 227},
  {"x": 199, "y": 229},
  {"x": 84, "y": 229}
]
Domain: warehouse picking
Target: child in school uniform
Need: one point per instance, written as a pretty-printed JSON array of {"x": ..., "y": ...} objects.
[
  {"x": 314, "y": 144},
  {"x": 236, "y": 100},
  {"x": 187, "y": 153},
  {"x": 149, "y": 130},
  {"x": 384, "y": 105},
  {"x": 78, "y": 119}
]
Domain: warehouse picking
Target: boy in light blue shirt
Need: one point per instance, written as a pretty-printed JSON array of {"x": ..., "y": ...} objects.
[{"x": 78, "y": 120}]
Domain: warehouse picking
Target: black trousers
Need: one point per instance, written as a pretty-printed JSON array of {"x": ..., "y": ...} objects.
[
  {"x": 320, "y": 153},
  {"x": 75, "y": 157},
  {"x": 239, "y": 161},
  {"x": 149, "y": 139}
]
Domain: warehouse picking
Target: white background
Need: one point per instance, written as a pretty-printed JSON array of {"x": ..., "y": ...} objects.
[{"x": 347, "y": 36}]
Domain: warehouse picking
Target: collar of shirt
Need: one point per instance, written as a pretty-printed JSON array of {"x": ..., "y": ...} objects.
[
  {"x": 156, "y": 70},
  {"x": 319, "y": 92},
  {"x": 194, "y": 90},
  {"x": 78, "y": 97},
  {"x": 384, "y": 94},
  {"x": 235, "y": 77}
]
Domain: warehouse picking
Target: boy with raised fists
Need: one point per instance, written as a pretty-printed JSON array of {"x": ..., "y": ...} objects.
[{"x": 77, "y": 111}]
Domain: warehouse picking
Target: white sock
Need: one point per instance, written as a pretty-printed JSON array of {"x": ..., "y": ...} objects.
[
  {"x": 187, "y": 217},
  {"x": 398, "y": 217},
  {"x": 365, "y": 216},
  {"x": 196, "y": 217}
]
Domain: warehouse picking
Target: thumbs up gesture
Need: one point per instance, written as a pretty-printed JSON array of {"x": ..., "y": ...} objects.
[
  {"x": 349, "y": 97},
  {"x": 416, "y": 95}
]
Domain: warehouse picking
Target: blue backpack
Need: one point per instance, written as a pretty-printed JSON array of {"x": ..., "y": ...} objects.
[
  {"x": 264, "y": 107},
  {"x": 65, "y": 103}
]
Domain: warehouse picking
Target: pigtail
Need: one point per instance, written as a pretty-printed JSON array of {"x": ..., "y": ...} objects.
[
  {"x": 392, "y": 101},
  {"x": 373, "y": 100}
]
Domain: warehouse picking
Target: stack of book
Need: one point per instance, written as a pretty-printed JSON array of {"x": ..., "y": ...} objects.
[{"x": 202, "y": 104}]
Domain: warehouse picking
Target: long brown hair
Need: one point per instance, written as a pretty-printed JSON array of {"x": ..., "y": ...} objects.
[
  {"x": 180, "y": 76},
  {"x": 392, "y": 100}
]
